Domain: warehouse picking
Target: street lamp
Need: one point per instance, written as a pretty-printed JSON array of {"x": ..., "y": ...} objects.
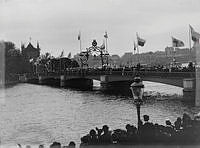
[{"x": 137, "y": 89}]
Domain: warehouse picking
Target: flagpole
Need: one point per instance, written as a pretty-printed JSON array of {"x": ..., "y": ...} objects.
[
  {"x": 106, "y": 45},
  {"x": 138, "y": 53},
  {"x": 173, "y": 62},
  {"x": 106, "y": 37},
  {"x": 138, "y": 48},
  {"x": 134, "y": 50},
  {"x": 190, "y": 38},
  {"x": 80, "y": 41}
]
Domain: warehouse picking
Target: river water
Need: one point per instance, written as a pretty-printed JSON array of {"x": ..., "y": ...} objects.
[{"x": 35, "y": 114}]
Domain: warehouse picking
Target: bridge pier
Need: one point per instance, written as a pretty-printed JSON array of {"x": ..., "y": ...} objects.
[
  {"x": 189, "y": 90},
  {"x": 62, "y": 81},
  {"x": 23, "y": 78},
  {"x": 80, "y": 83},
  {"x": 52, "y": 81},
  {"x": 197, "y": 53},
  {"x": 197, "y": 97},
  {"x": 40, "y": 79},
  {"x": 109, "y": 86}
]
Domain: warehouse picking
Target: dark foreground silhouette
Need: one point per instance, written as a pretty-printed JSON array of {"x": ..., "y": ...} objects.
[{"x": 184, "y": 131}]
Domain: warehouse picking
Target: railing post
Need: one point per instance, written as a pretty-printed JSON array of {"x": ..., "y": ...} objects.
[
  {"x": 189, "y": 89},
  {"x": 62, "y": 80}
]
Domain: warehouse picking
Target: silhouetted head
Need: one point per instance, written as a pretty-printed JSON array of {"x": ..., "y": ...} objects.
[
  {"x": 85, "y": 139},
  {"x": 168, "y": 122},
  {"x": 41, "y": 146},
  {"x": 55, "y": 145},
  {"x": 105, "y": 128},
  {"x": 128, "y": 126},
  {"x": 72, "y": 144},
  {"x": 146, "y": 118},
  {"x": 92, "y": 132},
  {"x": 178, "y": 119}
]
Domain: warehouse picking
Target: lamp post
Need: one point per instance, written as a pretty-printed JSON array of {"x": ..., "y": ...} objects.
[{"x": 137, "y": 89}]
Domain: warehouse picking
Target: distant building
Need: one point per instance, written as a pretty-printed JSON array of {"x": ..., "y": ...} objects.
[
  {"x": 30, "y": 52},
  {"x": 183, "y": 51},
  {"x": 169, "y": 51},
  {"x": 115, "y": 60},
  {"x": 126, "y": 59}
]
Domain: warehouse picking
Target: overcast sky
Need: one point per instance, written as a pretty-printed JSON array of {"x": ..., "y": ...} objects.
[{"x": 56, "y": 23}]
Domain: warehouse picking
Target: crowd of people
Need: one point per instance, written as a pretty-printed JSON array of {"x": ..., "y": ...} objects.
[
  {"x": 135, "y": 68},
  {"x": 184, "y": 131}
]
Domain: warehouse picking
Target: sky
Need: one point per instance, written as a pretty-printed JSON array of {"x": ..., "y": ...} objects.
[{"x": 56, "y": 23}]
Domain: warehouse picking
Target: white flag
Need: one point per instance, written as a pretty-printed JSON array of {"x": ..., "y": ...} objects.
[{"x": 195, "y": 35}]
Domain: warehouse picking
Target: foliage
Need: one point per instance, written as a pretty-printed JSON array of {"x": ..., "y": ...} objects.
[{"x": 15, "y": 63}]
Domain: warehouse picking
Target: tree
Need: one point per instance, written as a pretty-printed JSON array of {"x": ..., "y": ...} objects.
[
  {"x": 8, "y": 46},
  {"x": 14, "y": 61}
]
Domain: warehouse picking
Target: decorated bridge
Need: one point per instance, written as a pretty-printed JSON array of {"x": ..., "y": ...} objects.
[{"x": 112, "y": 79}]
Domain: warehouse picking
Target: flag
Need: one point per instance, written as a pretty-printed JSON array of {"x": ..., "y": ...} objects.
[
  {"x": 102, "y": 46},
  {"x": 69, "y": 55},
  {"x": 177, "y": 42},
  {"x": 135, "y": 47},
  {"x": 106, "y": 35},
  {"x": 194, "y": 35},
  {"x": 62, "y": 54},
  {"x": 79, "y": 36},
  {"x": 140, "y": 41}
]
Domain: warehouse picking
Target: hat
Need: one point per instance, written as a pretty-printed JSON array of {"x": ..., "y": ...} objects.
[
  {"x": 168, "y": 122},
  {"x": 146, "y": 118},
  {"x": 105, "y": 127}
]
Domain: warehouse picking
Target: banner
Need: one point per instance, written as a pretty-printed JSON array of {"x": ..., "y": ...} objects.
[
  {"x": 79, "y": 36},
  {"x": 106, "y": 35},
  {"x": 194, "y": 35},
  {"x": 141, "y": 41},
  {"x": 177, "y": 42}
]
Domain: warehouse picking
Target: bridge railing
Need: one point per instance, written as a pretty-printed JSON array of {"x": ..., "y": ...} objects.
[
  {"x": 160, "y": 74},
  {"x": 94, "y": 72},
  {"x": 130, "y": 73}
]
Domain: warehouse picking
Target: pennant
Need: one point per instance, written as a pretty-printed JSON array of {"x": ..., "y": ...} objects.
[
  {"x": 102, "y": 46},
  {"x": 79, "y": 36},
  {"x": 135, "y": 46},
  {"x": 177, "y": 42},
  {"x": 194, "y": 35},
  {"x": 140, "y": 41},
  {"x": 106, "y": 35},
  {"x": 62, "y": 54},
  {"x": 69, "y": 55}
]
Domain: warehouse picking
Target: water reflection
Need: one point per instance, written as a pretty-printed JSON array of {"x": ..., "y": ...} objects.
[{"x": 43, "y": 114}]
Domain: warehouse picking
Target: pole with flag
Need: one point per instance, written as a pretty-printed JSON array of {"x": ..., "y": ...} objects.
[
  {"x": 134, "y": 47},
  {"x": 190, "y": 46},
  {"x": 140, "y": 42},
  {"x": 176, "y": 43},
  {"x": 195, "y": 36},
  {"x": 79, "y": 38},
  {"x": 106, "y": 37}
]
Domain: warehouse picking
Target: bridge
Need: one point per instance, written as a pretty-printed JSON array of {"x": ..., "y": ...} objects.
[{"x": 115, "y": 79}]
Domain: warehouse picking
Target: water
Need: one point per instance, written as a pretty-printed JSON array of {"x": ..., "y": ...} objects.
[{"x": 34, "y": 114}]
